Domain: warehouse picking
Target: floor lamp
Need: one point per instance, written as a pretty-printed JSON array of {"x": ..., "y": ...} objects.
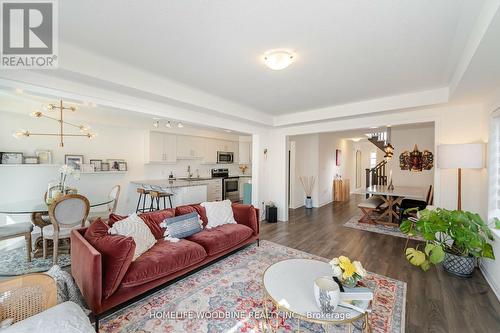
[{"x": 461, "y": 156}]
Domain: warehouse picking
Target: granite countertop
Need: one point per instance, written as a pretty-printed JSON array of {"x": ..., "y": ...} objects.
[{"x": 166, "y": 183}]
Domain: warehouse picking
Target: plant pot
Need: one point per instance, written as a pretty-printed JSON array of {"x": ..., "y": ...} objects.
[
  {"x": 309, "y": 203},
  {"x": 459, "y": 265}
]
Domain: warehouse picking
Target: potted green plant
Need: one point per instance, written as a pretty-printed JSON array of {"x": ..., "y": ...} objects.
[{"x": 454, "y": 237}]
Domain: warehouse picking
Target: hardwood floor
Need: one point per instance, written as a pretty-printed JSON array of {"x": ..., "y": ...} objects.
[{"x": 435, "y": 300}]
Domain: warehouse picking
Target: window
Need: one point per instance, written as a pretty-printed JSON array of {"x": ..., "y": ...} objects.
[{"x": 494, "y": 168}]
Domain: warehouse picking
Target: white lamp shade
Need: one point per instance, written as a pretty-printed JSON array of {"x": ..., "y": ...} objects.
[{"x": 464, "y": 156}]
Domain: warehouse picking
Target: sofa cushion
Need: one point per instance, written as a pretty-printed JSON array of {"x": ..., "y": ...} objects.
[
  {"x": 182, "y": 210},
  {"x": 152, "y": 220},
  {"x": 221, "y": 238},
  {"x": 162, "y": 259},
  {"x": 246, "y": 215},
  {"x": 116, "y": 253}
]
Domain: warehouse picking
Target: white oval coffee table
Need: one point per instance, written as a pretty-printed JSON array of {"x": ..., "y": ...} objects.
[{"x": 289, "y": 288}]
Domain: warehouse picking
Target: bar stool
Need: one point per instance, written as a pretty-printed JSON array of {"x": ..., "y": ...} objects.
[
  {"x": 157, "y": 195},
  {"x": 143, "y": 194}
]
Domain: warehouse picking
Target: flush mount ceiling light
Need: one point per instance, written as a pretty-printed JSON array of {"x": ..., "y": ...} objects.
[{"x": 278, "y": 59}]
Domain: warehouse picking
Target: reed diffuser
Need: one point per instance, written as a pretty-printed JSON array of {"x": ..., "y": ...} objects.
[{"x": 308, "y": 186}]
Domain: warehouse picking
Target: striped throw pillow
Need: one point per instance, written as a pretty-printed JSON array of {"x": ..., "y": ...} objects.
[{"x": 181, "y": 226}]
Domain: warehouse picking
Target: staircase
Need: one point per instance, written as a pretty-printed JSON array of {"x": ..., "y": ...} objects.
[
  {"x": 377, "y": 175},
  {"x": 379, "y": 139}
]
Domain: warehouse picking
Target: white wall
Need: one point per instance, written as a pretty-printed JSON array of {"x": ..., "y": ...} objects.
[
  {"x": 405, "y": 139},
  {"x": 315, "y": 155},
  {"x": 454, "y": 124},
  {"x": 30, "y": 182},
  {"x": 306, "y": 165}
]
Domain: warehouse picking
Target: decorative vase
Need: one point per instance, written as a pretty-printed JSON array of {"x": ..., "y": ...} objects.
[
  {"x": 326, "y": 293},
  {"x": 349, "y": 282},
  {"x": 309, "y": 203},
  {"x": 459, "y": 265}
]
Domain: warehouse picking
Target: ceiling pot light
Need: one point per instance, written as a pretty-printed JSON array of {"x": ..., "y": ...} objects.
[
  {"x": 180, "y": 125},
  {"x": 278, "y": 60},
  {"x": 19, "y": 91}
]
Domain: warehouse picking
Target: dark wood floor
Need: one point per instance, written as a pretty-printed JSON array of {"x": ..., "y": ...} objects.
[{"x": 435, "y": 301}]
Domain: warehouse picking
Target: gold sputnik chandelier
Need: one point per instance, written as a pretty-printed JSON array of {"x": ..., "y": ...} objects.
[{"x": 84, "y": 130}]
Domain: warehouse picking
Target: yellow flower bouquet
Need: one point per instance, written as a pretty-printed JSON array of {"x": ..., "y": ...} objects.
[{"x": 349, "y": 273}]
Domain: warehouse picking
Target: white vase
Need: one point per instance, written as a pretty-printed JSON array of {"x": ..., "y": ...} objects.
[
  {"x": 326, "y": 293},
  {"x": 309, "y": 202}
]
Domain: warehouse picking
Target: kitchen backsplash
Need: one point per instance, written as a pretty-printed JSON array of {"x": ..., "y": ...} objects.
[{"x": 179, "y": 169}]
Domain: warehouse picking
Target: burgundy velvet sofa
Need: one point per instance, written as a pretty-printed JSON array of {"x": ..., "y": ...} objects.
[{"x": 164, "y": 262}]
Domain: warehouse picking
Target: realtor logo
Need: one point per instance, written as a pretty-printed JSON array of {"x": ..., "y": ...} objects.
[{"x": 29, "y": 34}]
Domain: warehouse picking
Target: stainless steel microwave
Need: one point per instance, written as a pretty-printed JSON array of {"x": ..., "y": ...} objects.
[{"x": 225, "y": 157}]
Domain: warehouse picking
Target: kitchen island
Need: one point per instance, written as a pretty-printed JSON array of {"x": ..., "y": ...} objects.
[{"x": 185, "y": 191}]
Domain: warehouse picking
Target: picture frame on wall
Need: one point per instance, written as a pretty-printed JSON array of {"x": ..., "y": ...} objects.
[
  {"x": 97, "y": 164},
  {"x": 104, "y": 166},
  {"x": 11, "y": 158},
  {"x": 74, "y": 161},
  {"x": 122, "y": 166},
  {"x": 44, "y": 156},
  {"x": 114, "y": 164},
  {"x": 30, "y": 160},
  {"x": 338, "y": 157}
]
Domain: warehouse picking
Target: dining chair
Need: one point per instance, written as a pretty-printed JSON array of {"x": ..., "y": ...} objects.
[
  {"x": 111, "y": 207},
  {"x": 26, "y": 296},
  {"x": 418, "y": 204},
  {"x": 66, "y": 213},
  {"x": 14, "y": 230}
]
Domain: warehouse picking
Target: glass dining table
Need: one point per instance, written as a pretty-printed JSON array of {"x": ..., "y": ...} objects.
[{"x": 39, "y": 210}]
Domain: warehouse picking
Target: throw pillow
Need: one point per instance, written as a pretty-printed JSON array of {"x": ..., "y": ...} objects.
[
  {"x": 116, "y": 253},
  {"x": 133, "y": 226},
  {"x": 152, "y": 220},
  {"x": 181, "y": 226},
  {"x": 181, "y": 210},
  {"x": 218, "y": 213}
]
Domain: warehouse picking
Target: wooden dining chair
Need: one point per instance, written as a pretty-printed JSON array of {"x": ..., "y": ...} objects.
[
  {"x": 111, "y": 207},
  {"x": 15, "y": 230},
  {"x": 26, "y": 296},
  {"x": 66, "y": 213},
  {"x": 418, "y": 204}
]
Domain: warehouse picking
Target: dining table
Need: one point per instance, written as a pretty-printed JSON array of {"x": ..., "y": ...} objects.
[
  {"x": 39, "y": 210},
  {"x": 392, "y": 197}
]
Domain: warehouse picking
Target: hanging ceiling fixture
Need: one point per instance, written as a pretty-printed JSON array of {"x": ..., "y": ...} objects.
[
  {"x": 388, "y": 148},
  {"x": 278, "y": 59},
  {"x": 85, "y": 130}
]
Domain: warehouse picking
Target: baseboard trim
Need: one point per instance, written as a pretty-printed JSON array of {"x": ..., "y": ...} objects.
[{"x": 490, "y": 280}]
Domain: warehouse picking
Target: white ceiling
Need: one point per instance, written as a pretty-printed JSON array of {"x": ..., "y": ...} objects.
[{"x": 348, "y": 51}]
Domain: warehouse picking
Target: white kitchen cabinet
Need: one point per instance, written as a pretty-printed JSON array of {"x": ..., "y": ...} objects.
[
  {"x": 190, "y": 147},
  {"x": 214, "y": 190},
  {"x": 209, "y": 151},
  {"x": 160, "y": 148},
  {"x": 244, "y": 153}
]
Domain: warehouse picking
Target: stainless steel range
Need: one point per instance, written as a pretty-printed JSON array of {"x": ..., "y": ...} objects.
[{"x": 230, "y": 185}]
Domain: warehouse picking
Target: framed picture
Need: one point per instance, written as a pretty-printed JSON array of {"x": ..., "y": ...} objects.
[
  {"x": 44, "y": 156},
  {"x": 338, "y": 157},
  {"x": 122, "y": 166},
  {"x": 114, "y": 164},
  {"x": 11, "y": 158},
  {"x": 30, "y": 160},
  {"x": 104, "y": 166},
  {"x": 97, "y": 164},
  {"x": 74, "y": 161}
]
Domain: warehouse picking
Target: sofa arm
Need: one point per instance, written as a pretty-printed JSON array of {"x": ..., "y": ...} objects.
[
  {"x": 247, "y": 215},
  {"x": 86, "y": 268}
]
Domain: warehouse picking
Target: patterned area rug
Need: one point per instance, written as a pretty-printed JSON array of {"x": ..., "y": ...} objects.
[
  {"x": 235, "y": 284},
  {"x": 378, "y": 228},
  {"x": 13, "y": 262}
]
